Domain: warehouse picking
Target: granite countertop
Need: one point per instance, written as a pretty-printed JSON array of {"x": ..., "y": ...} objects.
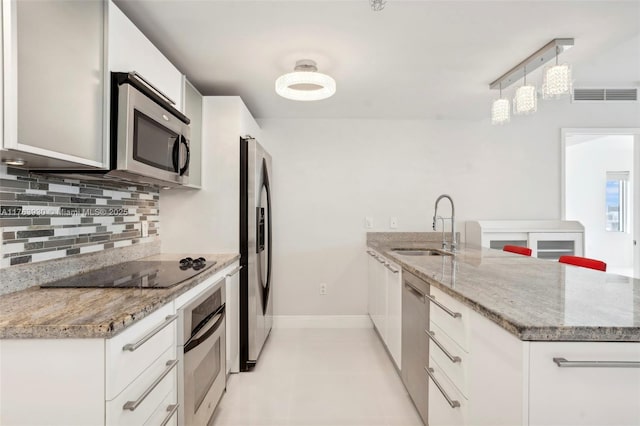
[
  {"x": 91, "y": 312},
  {"x": 533, "y": 299}
]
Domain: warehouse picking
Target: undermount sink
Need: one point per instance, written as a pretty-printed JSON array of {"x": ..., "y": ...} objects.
[{"x": 419, "y": 252}]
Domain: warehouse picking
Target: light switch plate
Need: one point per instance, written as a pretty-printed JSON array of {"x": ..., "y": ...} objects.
[
  {"x": 393, "y": 222},
  {"x": 144, "y": 228},
  {"x": 368, "y": 222}
]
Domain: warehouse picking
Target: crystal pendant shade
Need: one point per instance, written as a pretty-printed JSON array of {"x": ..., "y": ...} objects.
[
  {"x": 525, "y": 101},
  {"x": 557, "y": 81},
  {"x": 500, "y": 111}
]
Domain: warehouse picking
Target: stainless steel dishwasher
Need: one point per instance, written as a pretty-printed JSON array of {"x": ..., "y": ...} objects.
[{"x": 415, "y": 343}]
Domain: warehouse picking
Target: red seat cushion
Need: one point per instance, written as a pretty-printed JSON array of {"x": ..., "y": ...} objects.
[
  {"x": 584, "y": 262},
  {"x": 526, "y": 251}
]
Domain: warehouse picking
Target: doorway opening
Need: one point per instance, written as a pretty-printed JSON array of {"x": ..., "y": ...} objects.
[{"x": 601, "y": 189}]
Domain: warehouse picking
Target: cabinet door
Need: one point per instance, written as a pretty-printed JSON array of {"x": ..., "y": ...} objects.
[
  {"x": 394, "y": 312},
  {"x": 59, "y": 74},
  {"x": 371, "y": 273},
  {"x": 232, "y": 308},
  {"x": 574, "y": 394},
  {"x": 497, "y": 240},
  {"x": 193, "y": 110},
  {"x": 552, "y": 245},
  {"x": 130, "y": 50},
  {"x": 380, "y": 319}
]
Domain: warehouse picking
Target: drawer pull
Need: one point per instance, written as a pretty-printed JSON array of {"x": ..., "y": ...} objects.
[
  {"x": 235, "y": 271},
  {"x": 452, "y": 358},
  {"x": 444, "y": 308},
  {"x": 132, "y": 405},
  {"x": 563, "y": 362},
  {"x": 452, "y": 402},
  {"x": 172, "y": 410},
  {"x": 133, "y": 346},
  {"x": 391, "y": 268}
]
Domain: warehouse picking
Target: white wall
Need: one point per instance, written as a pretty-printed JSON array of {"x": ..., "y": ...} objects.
[
  {"x": 207, "y": 220},
  {"x": 587, "y": 164},
  {"x": 330, "y": 174}
]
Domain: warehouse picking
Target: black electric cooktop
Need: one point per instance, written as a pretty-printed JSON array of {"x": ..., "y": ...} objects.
[{"x": 137, "y": 274}]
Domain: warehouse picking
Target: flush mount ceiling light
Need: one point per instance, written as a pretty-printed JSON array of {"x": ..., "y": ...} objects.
[
  {"x": 305, "y": 83},
  {"x": 500, "y": 111}
]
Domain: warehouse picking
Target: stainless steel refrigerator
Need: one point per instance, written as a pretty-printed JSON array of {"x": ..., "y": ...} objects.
[{"x": 256, "y": 289}]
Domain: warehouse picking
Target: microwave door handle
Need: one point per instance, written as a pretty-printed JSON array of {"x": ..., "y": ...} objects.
[
  {"x": 175, "y": 155},
  {"x": 184, "y": 168},
  {"x": 202, "y": 335}
]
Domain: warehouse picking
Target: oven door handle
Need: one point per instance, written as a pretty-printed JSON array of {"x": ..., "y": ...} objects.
[{"x": 205, "y": 332}]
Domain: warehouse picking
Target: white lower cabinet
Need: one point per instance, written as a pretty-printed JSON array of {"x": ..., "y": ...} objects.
[
  {"x": 582, "y": 389},
  {"x": 447, "y": 406},
  {"x": 498, "y": 379},
  {"x": 130, "y": 379},
  {"x": 142, "y": 398},
  {"x": 385, "y": 302}
]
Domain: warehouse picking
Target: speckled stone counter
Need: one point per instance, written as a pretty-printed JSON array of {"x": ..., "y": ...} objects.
[
  {"x": 536, "y": 300},
  {"x": 91, "y": 312}
]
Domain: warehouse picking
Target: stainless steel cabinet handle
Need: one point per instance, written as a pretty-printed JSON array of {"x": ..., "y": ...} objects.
[
  {"x": 371, "y": 253},
  {"x": 452, "y": 402},
  {"x": 379, "y": 259},
  {"x": 132, "y": 405},
  {"x": 235, "y": 271},
  {"x": 452, "y": 358},
  {"x": 563, "y": 362},
  {"x": 416, "y": 292},
  {"x": 133, "y": 346},
  {"x": 172, "y": 410},
  {"x": 444, "y": 308},
  {"x": 394, "y": 270}
]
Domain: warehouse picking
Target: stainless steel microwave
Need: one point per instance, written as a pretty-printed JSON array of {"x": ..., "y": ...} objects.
[{"x": 149, "y": 136}]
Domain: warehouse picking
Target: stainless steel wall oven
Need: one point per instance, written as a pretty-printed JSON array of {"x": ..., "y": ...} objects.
[{"x": 202, "y": 372}]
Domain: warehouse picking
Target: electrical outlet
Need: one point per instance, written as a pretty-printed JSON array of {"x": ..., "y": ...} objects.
[
  {"x": 368, "y": 222},
  {"x": 323, "y": 289},
  {"x": 144, "y": 228},
  {"x": 393, "y": 222}
]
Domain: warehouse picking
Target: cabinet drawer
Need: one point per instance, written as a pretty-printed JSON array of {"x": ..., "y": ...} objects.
[
  {"x": 451, "y": 316},
  {"x": 166, "y": 414},
  {"x": 123, "y": 365},
  {"x": 584, "y": 393},
  {"x": 456, "y": 369},
  {"x": 165, "y": 366},
  {"x": 447, "y": 406}
]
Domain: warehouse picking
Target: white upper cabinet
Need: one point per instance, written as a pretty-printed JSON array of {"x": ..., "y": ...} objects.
[
  {"x": 193, "y": 110},
  {"x": 130, "y": 50},
  {"x": 54, "y": 80}
]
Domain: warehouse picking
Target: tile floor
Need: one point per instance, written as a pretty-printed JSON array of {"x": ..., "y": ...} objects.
[{"x": 325, "y": 377}]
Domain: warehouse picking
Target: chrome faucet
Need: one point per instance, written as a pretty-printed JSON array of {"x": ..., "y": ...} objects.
[{"x": 453, "y": 245}]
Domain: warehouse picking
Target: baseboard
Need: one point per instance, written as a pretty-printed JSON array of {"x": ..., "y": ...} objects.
[{"x": 322, "y": 321}]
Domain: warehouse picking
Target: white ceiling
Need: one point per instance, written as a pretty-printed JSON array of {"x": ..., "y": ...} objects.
[{"x": 414, "y": 59}]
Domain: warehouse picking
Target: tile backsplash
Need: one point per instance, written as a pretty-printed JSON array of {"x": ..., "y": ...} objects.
[{"x": 45, "y": 217}]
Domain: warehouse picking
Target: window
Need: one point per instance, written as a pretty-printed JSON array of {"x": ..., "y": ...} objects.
[{"x": 617, "y": 201}]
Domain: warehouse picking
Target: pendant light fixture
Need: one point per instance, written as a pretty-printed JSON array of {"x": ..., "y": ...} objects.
[
  {"x": 557, "y": 80},
  {"x": 526, "y": 100},
  {"x": 305, "y": 83},
  {"x": 500, "y": 111}
]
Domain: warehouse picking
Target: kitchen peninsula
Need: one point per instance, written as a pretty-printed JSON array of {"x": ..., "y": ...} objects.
[{"x": 503, "y": 329}]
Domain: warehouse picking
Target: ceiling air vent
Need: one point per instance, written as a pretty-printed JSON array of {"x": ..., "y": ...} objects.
[{"x": 604, "y": 95}]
